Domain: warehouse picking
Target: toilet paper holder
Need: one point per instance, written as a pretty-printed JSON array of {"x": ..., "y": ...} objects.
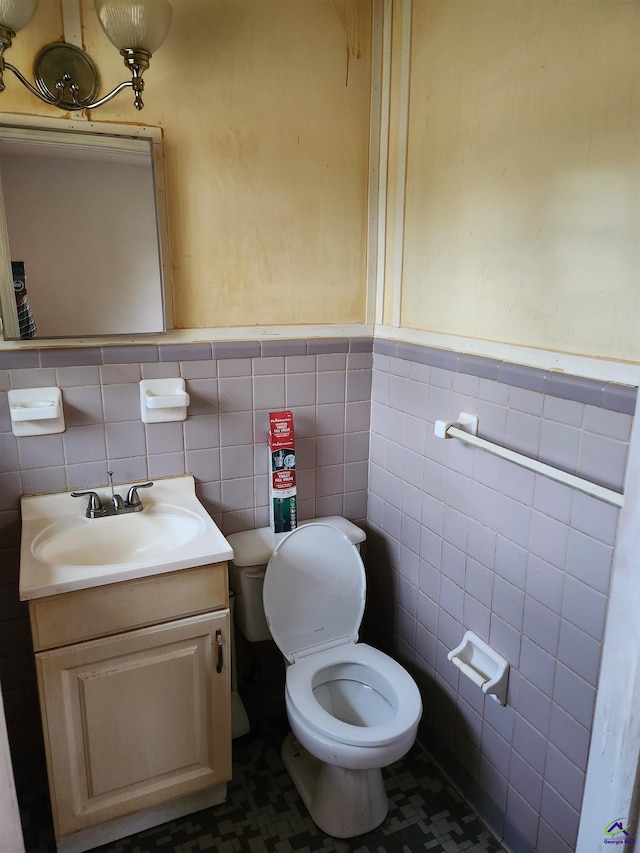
[{"x": 483, "y": 665}]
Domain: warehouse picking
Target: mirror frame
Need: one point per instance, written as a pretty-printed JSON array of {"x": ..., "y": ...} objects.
[{"x": 9, "y": 332}]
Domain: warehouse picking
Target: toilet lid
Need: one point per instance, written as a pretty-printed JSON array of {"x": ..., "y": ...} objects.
[{"x": 314, "y": 591}]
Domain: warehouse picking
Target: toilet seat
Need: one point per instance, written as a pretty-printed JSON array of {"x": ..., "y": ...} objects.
[
  {"x": 368, "y": 666},
  {"x": 314, "y": 591},
  {"x": 314, "y": 594}
]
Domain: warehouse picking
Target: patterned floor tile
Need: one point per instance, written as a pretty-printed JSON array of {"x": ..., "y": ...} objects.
[{"x": 264, "y": 813}]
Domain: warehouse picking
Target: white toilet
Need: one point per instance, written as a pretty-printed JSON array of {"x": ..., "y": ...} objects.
[{"x": 352, "y": 709}]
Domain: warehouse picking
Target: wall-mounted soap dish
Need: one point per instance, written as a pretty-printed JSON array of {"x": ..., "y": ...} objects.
[
  {"x": 163, "y": 400},
  {"x": 36, "y": 411},
  {"x": 483, "y": 665}
]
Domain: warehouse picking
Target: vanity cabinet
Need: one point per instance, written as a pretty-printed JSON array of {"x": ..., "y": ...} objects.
[{"x": 134, "y": 681}]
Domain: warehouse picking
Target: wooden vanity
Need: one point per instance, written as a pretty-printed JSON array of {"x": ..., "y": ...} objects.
[
  {"x": 134, "y": 681},
  {"x": 131, "y": 632}
]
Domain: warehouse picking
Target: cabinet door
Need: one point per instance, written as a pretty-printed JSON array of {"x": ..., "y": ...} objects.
[{"x": 137, "y": 719}]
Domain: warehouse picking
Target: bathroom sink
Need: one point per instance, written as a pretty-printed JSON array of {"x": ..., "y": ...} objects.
[
  {"x": 62, "y": 550},
  {"x": 149, "y": 534}
]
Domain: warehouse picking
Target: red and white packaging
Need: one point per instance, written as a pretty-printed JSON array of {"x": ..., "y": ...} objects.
[{"x": 283, "y": 514}]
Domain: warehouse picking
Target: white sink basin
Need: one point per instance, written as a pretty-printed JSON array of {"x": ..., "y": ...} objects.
[
  {"x": 148, "y": 534},
  {"x": 62, "y": 550}
]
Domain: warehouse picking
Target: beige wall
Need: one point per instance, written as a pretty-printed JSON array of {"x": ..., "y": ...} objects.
[
  {"x": 266, "y": 140},
  {"x": 522, "y": 197},
  {"x": 523, "y": 182}
]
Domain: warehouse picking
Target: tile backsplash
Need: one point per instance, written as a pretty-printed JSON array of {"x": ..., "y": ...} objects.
[
  {"x": 457, "y": 539},
  {"x": 232, "y": 389}
]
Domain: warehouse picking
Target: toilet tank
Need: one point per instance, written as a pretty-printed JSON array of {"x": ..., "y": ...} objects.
[{"x": 252, "y": 550}]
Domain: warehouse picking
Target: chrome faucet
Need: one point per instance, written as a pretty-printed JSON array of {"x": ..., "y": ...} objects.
[{"x": 116, "y": 505}]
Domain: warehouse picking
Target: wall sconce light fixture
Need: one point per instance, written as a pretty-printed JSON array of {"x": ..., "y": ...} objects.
[{"x": 65, "y": 76}]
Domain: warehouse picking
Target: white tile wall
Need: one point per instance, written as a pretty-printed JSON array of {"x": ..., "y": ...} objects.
[
  {"x": 457, "y": 539},
  {"x": 521, "y": 560},
  {"x": 222, "y": 443}
]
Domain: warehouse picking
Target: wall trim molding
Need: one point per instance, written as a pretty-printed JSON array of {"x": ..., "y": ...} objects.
[
  {"x": 190, "y": 336},
  {"x": 598, "y": 369},
  {"x": 606, "y": 370}
]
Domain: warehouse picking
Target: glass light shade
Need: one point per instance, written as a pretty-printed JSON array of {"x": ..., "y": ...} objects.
[
  {"x": 15, "y": 14},
  {"x": 134, "y": 24}
]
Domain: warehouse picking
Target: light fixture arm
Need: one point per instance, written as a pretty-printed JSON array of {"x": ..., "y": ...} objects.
[
  {"x": 7, "y": 66},
  {"x": 81, "y": 105},
  {"x": 66, "y": 86}
]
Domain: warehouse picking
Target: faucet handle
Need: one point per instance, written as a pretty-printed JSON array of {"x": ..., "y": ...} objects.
[
  {"x": 133, "y": 499},
  {"x": 94, "y": 501}
]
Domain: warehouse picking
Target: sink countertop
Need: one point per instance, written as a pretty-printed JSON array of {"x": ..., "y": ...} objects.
[{"x": 39, "y": 578}]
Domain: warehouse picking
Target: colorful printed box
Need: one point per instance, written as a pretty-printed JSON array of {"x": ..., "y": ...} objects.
[{"x": 283, "y": 513}]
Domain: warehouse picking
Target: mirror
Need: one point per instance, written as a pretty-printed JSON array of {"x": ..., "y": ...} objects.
[{"x": 82, "y": 231}]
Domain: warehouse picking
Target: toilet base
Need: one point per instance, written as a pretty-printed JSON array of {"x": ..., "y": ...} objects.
[{"x": 341, "y": 802}]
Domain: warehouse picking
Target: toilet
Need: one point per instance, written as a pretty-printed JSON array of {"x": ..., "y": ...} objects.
[{"x": 352, "y": 709}]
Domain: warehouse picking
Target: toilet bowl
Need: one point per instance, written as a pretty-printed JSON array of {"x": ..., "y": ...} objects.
[{"x": 352, "y": 709}]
